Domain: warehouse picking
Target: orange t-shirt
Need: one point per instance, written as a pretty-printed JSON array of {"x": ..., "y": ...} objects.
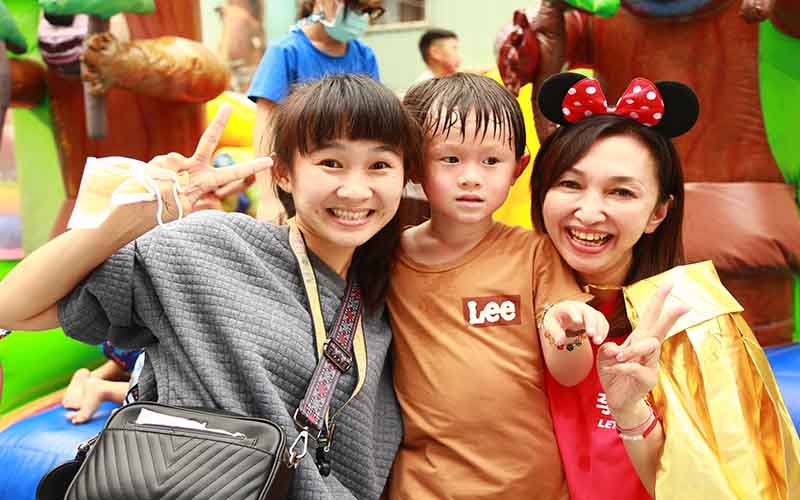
[{"x": 469, "y": 371}]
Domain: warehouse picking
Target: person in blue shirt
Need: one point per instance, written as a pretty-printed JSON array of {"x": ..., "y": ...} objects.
[{"x": 324, "y": 42}]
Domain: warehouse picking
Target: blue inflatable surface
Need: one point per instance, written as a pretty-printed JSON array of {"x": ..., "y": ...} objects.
[
  {"x": 33, "y": 446},
  {"x": 785, "y": 363}
]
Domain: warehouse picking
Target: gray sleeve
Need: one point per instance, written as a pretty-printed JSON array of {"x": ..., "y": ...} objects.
[{"x": 102, "y": 306}]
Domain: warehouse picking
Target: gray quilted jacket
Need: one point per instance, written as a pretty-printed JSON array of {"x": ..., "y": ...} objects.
[{"x": 217, "y": 301}]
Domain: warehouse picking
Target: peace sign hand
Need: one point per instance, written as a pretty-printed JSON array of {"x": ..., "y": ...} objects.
[
  {"x": 629, "y": 371},
  {"x": 196, "y": 176}
]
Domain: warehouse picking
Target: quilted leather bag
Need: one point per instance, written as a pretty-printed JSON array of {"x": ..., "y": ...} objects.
[{"x": 234, "y": 458}]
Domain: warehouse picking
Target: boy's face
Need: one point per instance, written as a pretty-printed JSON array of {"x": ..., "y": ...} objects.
[
  {"x": 467, "y": 177},
  {"x": 446, "y": 52}
]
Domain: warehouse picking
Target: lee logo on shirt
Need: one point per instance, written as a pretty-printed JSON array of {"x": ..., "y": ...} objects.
[{"x": 496, "y": 310}]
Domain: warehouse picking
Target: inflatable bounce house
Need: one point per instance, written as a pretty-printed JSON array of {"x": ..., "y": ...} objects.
[
  {"x": 59, "y": 123},
  {"x": 742, "y": 173}
]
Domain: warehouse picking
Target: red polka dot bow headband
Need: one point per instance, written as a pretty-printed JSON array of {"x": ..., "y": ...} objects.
[
  {"x": 670, "y": 108},
  {"x": 641, "y": 102}
]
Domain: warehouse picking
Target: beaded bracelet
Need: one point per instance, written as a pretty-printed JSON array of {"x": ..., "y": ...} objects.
[
  {"x": 639, "y": 437},
  {"x": 642, "y": 430},
  {"x": 641, "y": 426},
  {"x": 579, "y": 336},
  {"x": 540, "y": 318}
]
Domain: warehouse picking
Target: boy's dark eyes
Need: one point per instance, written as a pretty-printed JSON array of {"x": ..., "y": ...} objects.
[
  {"x": 330, "y": 163},
  {"x": 492, "y": 160}
]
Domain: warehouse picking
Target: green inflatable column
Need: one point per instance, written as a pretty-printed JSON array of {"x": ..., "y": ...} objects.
[{"x": 779, "y": 79}]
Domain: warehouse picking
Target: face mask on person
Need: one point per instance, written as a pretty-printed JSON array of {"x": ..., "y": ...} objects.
[
  {"x": 114, "y": 181},
  {"x": 347, "y": 25}
]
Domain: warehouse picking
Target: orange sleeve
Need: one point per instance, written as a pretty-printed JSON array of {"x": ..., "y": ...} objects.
[{"x": 553, "y": 280}]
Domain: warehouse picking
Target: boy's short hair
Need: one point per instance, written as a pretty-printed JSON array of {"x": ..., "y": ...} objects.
[
  {"x": 429, "y": 37},
  {"x": 440, "y": 104}
]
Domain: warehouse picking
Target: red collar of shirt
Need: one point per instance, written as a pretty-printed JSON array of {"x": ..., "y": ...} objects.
[{"x": 609, "y": 307}]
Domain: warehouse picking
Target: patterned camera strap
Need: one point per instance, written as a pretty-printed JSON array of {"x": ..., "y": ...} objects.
[{"x": 336, "y": 353}]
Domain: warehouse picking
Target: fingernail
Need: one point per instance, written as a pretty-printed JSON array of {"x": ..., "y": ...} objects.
[{"x": 621, "y": 356}]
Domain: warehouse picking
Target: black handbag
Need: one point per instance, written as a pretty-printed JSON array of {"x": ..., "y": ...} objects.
[
  {"x": 233, "y": 457},
  {"x": 222, "y": 455}
]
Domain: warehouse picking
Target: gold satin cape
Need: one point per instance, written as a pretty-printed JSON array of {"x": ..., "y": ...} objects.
[{"x": 727, "y": 431}]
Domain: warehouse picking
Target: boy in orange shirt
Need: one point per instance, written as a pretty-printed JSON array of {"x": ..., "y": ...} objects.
[{"x": 467, "y": 298}]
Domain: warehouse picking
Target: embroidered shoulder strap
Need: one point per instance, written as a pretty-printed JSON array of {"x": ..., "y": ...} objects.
[{"x": 336, "y": 353}]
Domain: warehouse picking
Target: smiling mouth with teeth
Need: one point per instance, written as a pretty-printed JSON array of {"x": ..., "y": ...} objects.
[
  {"x": 589, "y": 239},
  {"x": 350, "y": 214}
]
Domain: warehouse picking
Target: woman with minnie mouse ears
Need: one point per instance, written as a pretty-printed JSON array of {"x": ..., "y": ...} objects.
[{"x": 683, "y": 403}]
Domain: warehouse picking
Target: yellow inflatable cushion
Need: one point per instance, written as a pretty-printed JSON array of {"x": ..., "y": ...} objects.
[{"x": 239, "y": 132}]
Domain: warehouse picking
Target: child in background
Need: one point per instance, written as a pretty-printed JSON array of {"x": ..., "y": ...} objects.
[
  {"x": 439, "y": 51},
  {"x": 465, "y": 298},
  {"x": 324, "y": 42}
]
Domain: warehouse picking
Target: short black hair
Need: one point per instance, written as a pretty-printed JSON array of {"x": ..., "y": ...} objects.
[
  {"x": 443, "y": 104},
  {"x": 430, "y": 36}
]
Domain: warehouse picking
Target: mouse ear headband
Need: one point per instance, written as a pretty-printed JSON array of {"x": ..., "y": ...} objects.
[{"x": 670, "y": 108}]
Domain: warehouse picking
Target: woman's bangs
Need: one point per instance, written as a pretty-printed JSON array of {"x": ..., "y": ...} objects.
[{"x": 353, "y": 112}]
